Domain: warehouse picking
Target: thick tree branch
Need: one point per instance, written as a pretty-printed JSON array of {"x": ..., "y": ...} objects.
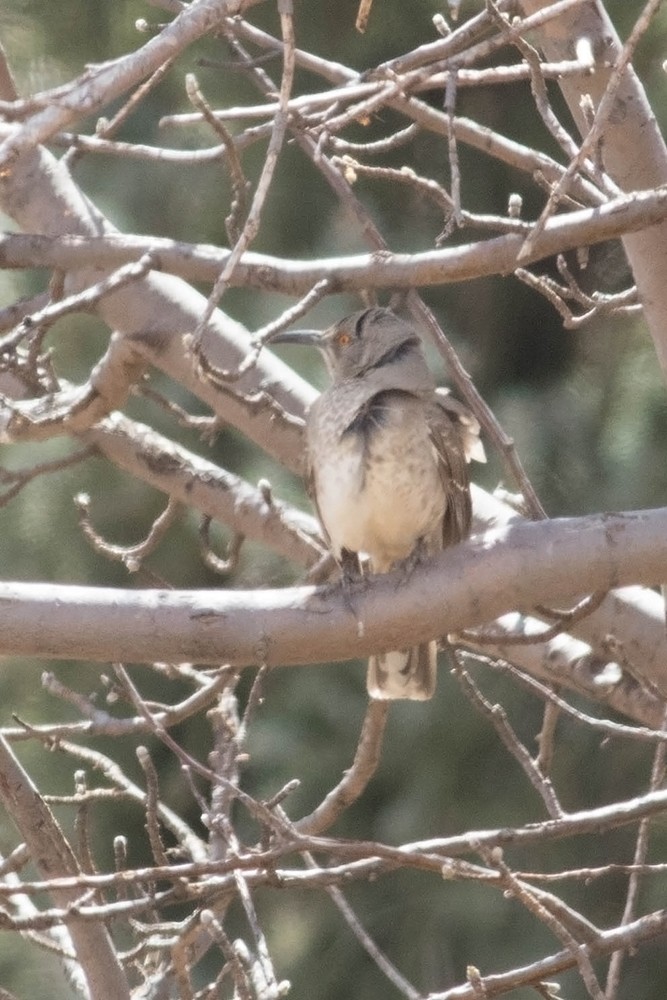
[
  {"x": 206, "y": 487},
  {"x": 101, "y": 84},
  {"x": 633, "y": 149},
  {"x": 569, "y": 663},
  {"x": 514, "y": 567},
  {"x": 156, "y": 312},
  {"x": 198, "y": 262},
  {"x": 54, "y": 857},
  {"x": 635, "y": 616}
]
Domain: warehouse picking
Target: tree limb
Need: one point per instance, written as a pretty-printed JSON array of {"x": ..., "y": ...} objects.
[
  {"x": 54, "y": 857},
  {"x": 199, "y": 262},
  {"x": 536, "y": 562},
  {"x": 633, "y": 150}
]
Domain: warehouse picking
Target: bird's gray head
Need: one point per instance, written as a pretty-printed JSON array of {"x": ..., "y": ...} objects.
[{"x": 360, "y": 343}]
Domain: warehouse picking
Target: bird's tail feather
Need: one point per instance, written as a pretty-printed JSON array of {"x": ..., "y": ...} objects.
[{"x": 409, "y": 673}]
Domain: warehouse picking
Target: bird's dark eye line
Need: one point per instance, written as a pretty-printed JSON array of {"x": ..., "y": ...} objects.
[
  {"x": 366, "y": 317},
  {"x": 359, "y": 325},
  {"x": 395, "y": 353}
]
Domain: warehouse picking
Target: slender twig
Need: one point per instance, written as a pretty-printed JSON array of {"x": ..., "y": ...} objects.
[
  {"x": 212, "y": 561},
  {"x": 638, "y": 862},
  {"x": 546, "y": 737},
  {"x": 280, "y": 122},
  {"x": 497, "y": 984},
  {"x": 152, "y": 803},
  {"x": 356, "y": 778},
  {"x": 498, "y": 718},
  {"x": 231, "y": 952},
  {"x": 564, "y": 620},
  {"x": 596, "y": 305},
  {"x": 435, "y": 192},
  {"x": 452, "y": 148},
  {"x": 589, "y": 874},
  {"x": 480, "y": 408},
  {"x": 189, "y": 842},
  {"x": 257, "y": 809},
  {"x": 538, "y": 85},
  {"x": 319, "y": 290},
  {"x": 370, "y": 946},
  {"x": 131, "y": 556},
  {"x": 13, "y": 481},
  {"x": 106, "y": 128},
  {"x": 532, "y": 903},
  {"x": 240, "y": 185},
  {"x": 84, "y": 851}
]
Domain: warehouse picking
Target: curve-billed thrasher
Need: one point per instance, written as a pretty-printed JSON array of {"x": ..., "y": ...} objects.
[{"x": 387, "y": 457}]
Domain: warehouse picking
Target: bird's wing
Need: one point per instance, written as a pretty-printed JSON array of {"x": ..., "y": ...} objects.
[
  {"x": 311, "y": 490},
  {"x": 466, "y": 422},
  {"x": 450, "y": 449}
]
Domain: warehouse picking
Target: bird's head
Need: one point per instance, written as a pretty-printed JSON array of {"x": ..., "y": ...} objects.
[{"x": 361, "y": 342}]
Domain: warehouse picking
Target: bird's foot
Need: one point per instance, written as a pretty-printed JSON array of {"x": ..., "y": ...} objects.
[
  {"x": 352, "y": 578},
  {"x": 407, "y": 566}
]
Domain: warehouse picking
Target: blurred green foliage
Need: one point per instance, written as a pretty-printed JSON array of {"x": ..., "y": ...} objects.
[{"x": 586, "y": 408}]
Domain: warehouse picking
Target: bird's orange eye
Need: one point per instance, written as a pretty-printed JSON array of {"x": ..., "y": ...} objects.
[{"x": 343, "y": 339}]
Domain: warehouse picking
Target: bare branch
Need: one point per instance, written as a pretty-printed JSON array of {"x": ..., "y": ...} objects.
[
  {"x": 642, "y": 930},
  {"x": 51, "y": 852},
  {"x": 634, "y": 151},
  {"x": 638, "y": 863},
  {"x": 215, "y": 492},
  {"x": 498, "y": 718},
  {"x": 279, "y": 129},
  {"x": 101, "y": 84},
  {"x": 356, "y": 778},
  {"x": 499, "y": 255},
  {"x": 74, "y": 409},
  {"x": 541, "y": 561},
  {"x": 602, "y": 114}
]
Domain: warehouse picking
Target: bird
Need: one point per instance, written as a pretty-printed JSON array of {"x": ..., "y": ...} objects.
[{"x": 387, "y": 457}]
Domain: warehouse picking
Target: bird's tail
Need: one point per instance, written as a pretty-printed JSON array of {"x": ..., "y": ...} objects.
[{"x": 409, "y": 673}]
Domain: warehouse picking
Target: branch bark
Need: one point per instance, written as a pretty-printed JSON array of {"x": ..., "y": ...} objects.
[
  {"x": 645, "y": 929},
  {"x": 497, "y": 256},
  {"x": 101, "y": 84},
  {"x": 513, "y": 567},
  {"x": 633, "y": 149},
  {"x": 156, "y": 312},
  {"x": 54, "y": 858}
]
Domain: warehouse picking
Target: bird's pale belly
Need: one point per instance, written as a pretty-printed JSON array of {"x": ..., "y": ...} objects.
[{"x": 382, "y": 501}]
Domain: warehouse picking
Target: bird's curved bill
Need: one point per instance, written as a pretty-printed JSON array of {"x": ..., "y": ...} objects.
[{"x": 305, "y": 337}]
